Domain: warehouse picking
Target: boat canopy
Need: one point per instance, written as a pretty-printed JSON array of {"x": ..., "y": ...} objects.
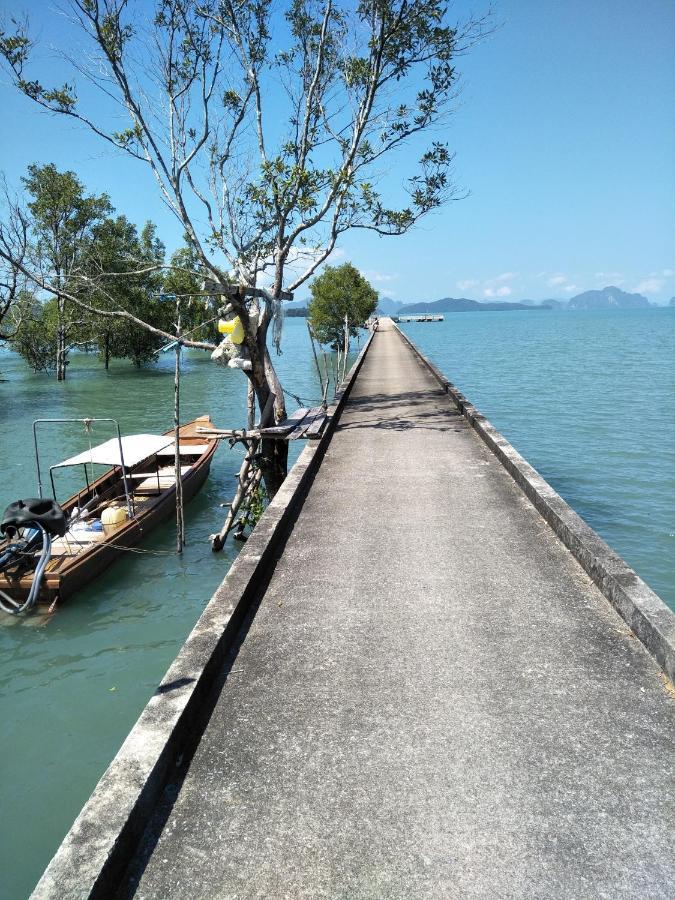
[{"x": 135, "y": 448}]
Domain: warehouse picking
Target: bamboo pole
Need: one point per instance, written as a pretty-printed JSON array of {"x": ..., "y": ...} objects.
[
  {"x": 251, "y": 488},
  {"x": 250, "y": 406},
  {"x": 316, "y": 358},
  {"x": 325, "y": 366},
  {"x": 243, "y": 481},
  {"x": 243, "y": 485},
  {"x": 180, "y": 519}
]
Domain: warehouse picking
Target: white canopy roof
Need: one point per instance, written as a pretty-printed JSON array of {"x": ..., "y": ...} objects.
[{"x": 135, "y": 447}]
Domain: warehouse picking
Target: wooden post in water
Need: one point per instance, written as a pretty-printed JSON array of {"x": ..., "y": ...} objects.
[
  {"x": 245, "y": 480},
  {"x": 327, "y": 373},
  {"x": 180, "y": 520},
  {"x": 250, "y": 406},
  {"x": 316, "y": 358}
]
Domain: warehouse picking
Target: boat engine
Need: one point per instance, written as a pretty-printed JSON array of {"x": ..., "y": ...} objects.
[{"x": 28, "y": 526}]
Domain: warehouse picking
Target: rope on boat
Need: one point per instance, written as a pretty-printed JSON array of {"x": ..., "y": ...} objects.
[
  {"x": 150, "y": 551},
  {"x": 11, "y": 606}
]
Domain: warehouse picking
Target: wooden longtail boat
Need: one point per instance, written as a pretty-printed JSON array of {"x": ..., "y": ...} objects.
[{"x": 135, "y": 495}]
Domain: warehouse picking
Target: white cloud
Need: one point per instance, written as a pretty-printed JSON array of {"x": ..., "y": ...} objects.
[
  {"x": 615, "y": 278},
  {"x": 379, "y": 277},
  {"x": 668, "y": 273},
  {"x": 489, "y": 287},
  {"x": 650, "y": 286},
  {"x": 497, "y": 292},
  {"x": 496, "y": 287},
  {"x": 557, "y": 280},
  {"x": 467, "y": 284},
  {"x": 298, "y": 261},
  {"x": 570, "y": 287}
]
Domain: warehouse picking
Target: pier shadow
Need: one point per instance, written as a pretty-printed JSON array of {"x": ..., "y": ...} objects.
[
  {"x": 173, "y": 685},
  {"x": 143, "y": 845},
  {"x": 407, "y": 410}
]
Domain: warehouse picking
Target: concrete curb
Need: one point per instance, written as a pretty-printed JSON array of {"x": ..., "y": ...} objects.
[
  {"x": 98, "y": 848},
  {"x": 643, "y": 611}
]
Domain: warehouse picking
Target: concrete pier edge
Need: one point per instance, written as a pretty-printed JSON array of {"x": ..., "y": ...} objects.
[
  {"x": 99, "y": 845},
  {"x": 645, "y": 613}
]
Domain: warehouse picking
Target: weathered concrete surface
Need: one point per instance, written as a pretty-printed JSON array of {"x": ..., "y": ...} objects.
[
  {"x": 97, "y": 849},
  {"x": 644, "y": 612},
  {"x": 434, "y": 699}
]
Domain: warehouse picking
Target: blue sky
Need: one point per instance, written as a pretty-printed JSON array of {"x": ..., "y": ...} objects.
[{"x": 565, "y": 141}]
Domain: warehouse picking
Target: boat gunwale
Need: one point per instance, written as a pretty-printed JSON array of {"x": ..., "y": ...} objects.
[{"x": 56, "y": 583}]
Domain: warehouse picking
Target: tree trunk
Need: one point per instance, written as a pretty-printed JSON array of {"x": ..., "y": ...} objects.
[
  {"x": 273, "y": 453},
  {"x": 274, "y": 464},
  {"x": 61, "y": 350}
]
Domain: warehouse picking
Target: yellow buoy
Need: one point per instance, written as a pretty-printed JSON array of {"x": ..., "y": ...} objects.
[
  {"x": 114, "y": 515},
  {"x": 233, "y": 328},
  {"x": 237, "y": 333}
]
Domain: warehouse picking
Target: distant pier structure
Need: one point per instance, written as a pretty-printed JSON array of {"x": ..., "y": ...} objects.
[
  {"x": 419, "y": 317},
  {"x": 423, "y": 676}
]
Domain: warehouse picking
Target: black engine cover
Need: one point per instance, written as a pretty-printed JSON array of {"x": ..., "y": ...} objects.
[{"x": 34, "y": 509}]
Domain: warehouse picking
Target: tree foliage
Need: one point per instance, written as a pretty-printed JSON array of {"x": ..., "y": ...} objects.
[
  {"x": 135, "y": 286},
  {"x": 14, "y": 244},
  {"x": 184, "y": 281},
  {"x": 270, "y": 128},
  {"x": 62, "y": 220},
  {"x": 35, "y": 335},
  {"x": 85, "y": 257},
  {"x": 340, "y": 292}
]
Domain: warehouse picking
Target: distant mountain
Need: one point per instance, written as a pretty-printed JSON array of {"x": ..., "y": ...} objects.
[
  {"x": 608, "y": 298},
  {"x": 671, "y": 302},
  {"x": 547, "y": 304},
  {"x": 461, "y": 304},
  {"x": 388, "y": 307},
  {"x": 554, "y": 304}
]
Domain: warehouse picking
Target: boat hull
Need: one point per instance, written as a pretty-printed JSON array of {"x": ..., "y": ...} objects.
[{"x": 68, "y": 574}]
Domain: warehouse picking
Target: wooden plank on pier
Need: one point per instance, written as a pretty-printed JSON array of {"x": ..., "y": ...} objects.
[
  {"x": 241, "y": 434},
  {"x": 317, "y": 426},
  {"x": 317, "y": 412},
  {"x": 283, "y": 428},
  {"x": 303, "y": 422}
]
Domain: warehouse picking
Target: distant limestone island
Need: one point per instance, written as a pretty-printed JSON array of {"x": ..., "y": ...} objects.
[{"x": 607, "y": 298}]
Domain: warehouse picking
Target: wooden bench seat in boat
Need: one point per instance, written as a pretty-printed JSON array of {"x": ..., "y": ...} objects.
[
  {"x": 153, "y": 482},
  {"x": 185, "y": 450}
]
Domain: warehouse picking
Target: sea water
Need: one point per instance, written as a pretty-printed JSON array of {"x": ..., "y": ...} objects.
[
  {"x": 586, "y": 397},
  {"x": 73, "y": 684}
]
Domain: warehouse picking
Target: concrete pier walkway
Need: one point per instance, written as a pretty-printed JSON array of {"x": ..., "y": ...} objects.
[{"x": 433, "y": 700}]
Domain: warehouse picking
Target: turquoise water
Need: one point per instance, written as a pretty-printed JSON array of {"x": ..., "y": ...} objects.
[
  {"x": 71, "y": 686},
  {"x": 588, "y": 398}
]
